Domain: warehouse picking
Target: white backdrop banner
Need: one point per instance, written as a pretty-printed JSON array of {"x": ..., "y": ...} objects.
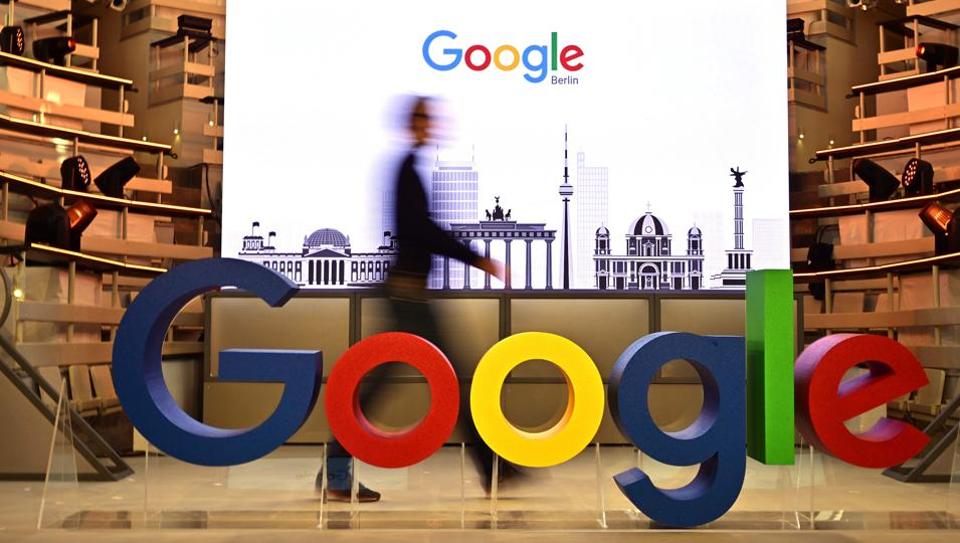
[{"x": 647, "y": 112}]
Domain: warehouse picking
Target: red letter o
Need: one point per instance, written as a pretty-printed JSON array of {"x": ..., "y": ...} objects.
[
  {"x": 357, "y": 434},
  {"x": 468, "y": 58}
]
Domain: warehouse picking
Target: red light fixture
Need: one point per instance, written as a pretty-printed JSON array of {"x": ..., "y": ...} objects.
[
  {"x": 944, "y": 225},
  {"x": 937, "y": 55},
  {"x": 54, "y": 50}
]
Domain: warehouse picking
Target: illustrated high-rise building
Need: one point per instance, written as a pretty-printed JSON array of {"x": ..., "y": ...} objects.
[
  {"x": 771, "y": 245},
  {"x": 454, "y": 187},
  {"x": 566, "y": 193},
  {"x": 734, "y": 276},
  {"x": 592, "y": 214}
]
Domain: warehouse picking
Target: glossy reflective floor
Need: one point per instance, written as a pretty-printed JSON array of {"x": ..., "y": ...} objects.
[{"x": 575, "y": 501}]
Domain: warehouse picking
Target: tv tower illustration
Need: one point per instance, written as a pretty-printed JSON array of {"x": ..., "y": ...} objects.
[{"x": 566, "y": 191}]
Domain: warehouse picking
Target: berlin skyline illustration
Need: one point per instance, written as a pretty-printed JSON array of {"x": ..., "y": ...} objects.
[{"x": 586, "y": 257}]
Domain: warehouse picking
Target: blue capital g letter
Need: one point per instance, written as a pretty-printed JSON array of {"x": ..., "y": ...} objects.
[
  {"x": 716, "y": 440},
  {"x": 455, "y": 52},
  {"x": 138, "y": 377}
]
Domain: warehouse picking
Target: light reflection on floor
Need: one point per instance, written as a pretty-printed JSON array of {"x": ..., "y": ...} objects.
[{"x": 277, "y": 492}]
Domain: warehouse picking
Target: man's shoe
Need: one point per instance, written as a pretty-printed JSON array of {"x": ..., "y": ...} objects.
[
  {"x": 340, "y": 481},
  {"x": 364, "y": 495}
]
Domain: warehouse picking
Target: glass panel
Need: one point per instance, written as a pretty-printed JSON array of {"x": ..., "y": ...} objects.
[
  {"x": 60, "y": 504},
  {"x": 279, "y": 490},
  {"x": 427, "y": 495}
]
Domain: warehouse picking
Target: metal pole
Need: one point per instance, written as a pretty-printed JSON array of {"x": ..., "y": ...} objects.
[
  {"x": 486, "y": 253},
  {"x": 549, "y": 264},
  {"x": 528, "y": 284},
  {"x": 71, "y": 293},
  {"x": 507, "y": 283},
  {"x": 890, "y": 332},
  {"x": 96, "y": 40},
  {"x": 937, "y": 339}
]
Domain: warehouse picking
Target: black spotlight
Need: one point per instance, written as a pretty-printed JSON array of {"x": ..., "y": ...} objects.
[
  {"x": 881, "y": 182},
  {"x": 917, "y": 177},
  {"x": 945, "y": 227},
  {"x": 937, "y": 55},
  {"x": 117, "y": 5},
  {"x": 12, "y": 40},
  {"x": 54, "y": 50},
  {"x": 114, "y": 178},
  {"x": 195, "y": 27},
  {"x": 75, "y": 174},
  {"x": 795, "y": 28},
  {"x": 48, "y": 224},
  {"x": 820, "y": 258}
]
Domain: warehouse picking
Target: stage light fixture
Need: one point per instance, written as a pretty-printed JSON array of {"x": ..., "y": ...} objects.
[
  {"x": 820, "y": 258},
  {"x": 945, "y": 227},
  {"x": 117, "y": 5},
  {"x": 114, "y": 178},
  {"x": 881, "y": 182},
  {"x": 195, "y": 27},
  {"x": 51, "y": 224},
  {"x": 54, "y": 50},
  {"x": 75, "y": 174},
  {"x": 795, "y": 28},
  {"x": 917, "y": 177},
  {"x": 937, "y": 55},
  {"x": 862, "y": 4},
  {"x": 79, "y": 216},
  {"x": 12, "y": 40},
  {"x": 48, "y": 224}
]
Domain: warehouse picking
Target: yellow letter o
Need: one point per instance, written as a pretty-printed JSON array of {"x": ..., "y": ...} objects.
[
  {"x": 499, "y": 62},
  {"x": 571, "y": 434}
]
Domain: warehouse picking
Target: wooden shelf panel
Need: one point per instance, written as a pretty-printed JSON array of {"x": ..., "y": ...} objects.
[
  {"x": 907, "y": 118},
  {"x": 884, "y": 249},
  {"x": 80, "y": 314},
  {"x": 46, "y": 107},
  {"x": 906, "y": 82},
  {"x": 43, "y": 254},
  {"x": 933, "y": 7},
  {"x": 69, "y": 354},
  {"x": 22, "y": 166},
  {"x": 905, "y": 144},
  {"x": 847, "y": 188},
  {"x": 140, "y": 249},
  {"x": 37, "y": 129},
  {"x": 853, "y": 285},
  {"x": 913, "y": 202},
  {"x": 211, "y": 156},
  {"x": 938, "y": 356},
  {"x": 118, "y": 247},
  {"x": 79, "y": 75},
  {"x": 171, "y": 93},
  {"x": 215, "y": 131},
  {"x": 22, "y": 185},
  {"x": 877, "y": 320},
  {"x": 871, "y": 272}
]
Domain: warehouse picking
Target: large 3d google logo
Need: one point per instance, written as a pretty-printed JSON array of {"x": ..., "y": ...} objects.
[{"x": 748, "y": 387}]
